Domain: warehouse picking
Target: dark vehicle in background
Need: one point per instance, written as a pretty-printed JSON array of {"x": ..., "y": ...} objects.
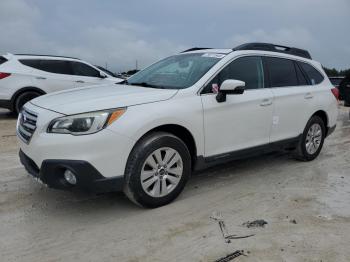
[
  {"x": 344, "y": 90},
  {"x": 336, "y": 80},
  {"x": 127, "y": 74}
]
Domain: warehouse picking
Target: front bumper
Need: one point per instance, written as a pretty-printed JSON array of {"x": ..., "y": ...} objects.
[
  {"x": 107, "y": 151},
  {"x": 88, "y": 178}
]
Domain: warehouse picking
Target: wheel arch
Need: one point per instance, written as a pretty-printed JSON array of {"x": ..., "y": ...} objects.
[
  {"x": 23, "y": 90},
  {"x": 323, "y": 115},
  {"x": 179, "y": 131}
]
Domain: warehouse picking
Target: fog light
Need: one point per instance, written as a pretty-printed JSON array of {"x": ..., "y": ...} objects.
[{"x": 70, "y": 177}]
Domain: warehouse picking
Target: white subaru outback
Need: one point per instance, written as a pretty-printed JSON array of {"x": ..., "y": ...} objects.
[{"x": 186, "y": 112}]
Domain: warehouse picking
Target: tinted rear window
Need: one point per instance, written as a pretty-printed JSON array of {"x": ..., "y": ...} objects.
[
  {"x": 51, "y": 66},
  {"x": 2, "y": 60},
  {"x": 314, "y": 76},
  {"x": 281, "y": 72},
  {"x": 31, "y": 62}
]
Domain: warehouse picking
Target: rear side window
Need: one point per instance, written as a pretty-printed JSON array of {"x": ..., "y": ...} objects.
[
  {"x": 2, "y": 60},
  {"x": 51, "y": 66},
  {"x": 281, "y": 72},
  {"x": 300, "y": 75},
  {"x": 314, "y": 76},
  {"x": 31, "y": 63},
  {"x": 81, "y": 69}
]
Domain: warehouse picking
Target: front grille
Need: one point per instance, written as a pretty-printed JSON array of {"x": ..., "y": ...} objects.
[{"x": 26, "y": 124}]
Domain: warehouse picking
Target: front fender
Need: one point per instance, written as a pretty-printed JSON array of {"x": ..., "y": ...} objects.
[{"x": 140, "y": 119}]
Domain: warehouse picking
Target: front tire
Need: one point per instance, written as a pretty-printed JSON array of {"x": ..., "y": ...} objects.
[
  {"x": 22, "y": 99},
  {"x": 311, "y": 142},
  {"x": 157, "y": 170}
]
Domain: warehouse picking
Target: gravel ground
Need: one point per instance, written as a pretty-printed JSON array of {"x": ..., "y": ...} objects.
[{"x": 306, "y": 207}]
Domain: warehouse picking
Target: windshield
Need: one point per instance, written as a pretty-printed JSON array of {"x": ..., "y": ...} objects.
[{"x": 176, "y": 72}]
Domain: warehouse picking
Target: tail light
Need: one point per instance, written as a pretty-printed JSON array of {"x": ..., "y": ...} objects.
[
  {"x": 335, "y": 92},
  {"x": 4, "y": 75}
]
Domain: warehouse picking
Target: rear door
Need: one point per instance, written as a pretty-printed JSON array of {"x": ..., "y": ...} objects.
[
  {"x": 50, "y": 74},
  {"x": 242, "y": 121},
  {"x": 294, "y": 99}
]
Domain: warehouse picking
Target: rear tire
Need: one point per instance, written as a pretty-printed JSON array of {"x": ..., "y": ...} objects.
[
  {"x": 22, "y": 99},
  {"x": 311, "y": 142},
  {"x": 157, "y": 170}
]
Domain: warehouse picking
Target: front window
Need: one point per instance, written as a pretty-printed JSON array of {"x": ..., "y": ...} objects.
[
  {"x": 81, "y": 69},
  {"x": 248, "y": 69},
  {"x": 176, "y": 72}
]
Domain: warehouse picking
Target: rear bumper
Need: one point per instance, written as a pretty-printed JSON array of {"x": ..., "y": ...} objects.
[
  {"x": 6, "y": 104},
  {"x": 88, "y": 178}
]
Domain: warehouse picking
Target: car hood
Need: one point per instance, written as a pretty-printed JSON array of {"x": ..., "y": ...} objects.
[{"x": 94, "y": 98}]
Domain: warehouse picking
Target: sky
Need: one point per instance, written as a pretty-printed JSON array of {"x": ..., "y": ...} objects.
[{"x": 117, "y": 33}]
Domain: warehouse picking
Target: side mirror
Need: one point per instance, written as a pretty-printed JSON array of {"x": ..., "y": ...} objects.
[
  {"x": 102, "y": 75},
  {"x": 230, "y": 87}
]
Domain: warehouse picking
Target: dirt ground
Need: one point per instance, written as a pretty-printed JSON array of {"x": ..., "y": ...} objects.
[{"x": 306, "y": 206}]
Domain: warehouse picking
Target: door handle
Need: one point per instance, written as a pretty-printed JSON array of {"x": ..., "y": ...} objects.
[
  {"x": 79, "y": 81},
  {"x": 308, "y": 96},
  {"x": 40, "y": 77},
  {"x": 266, "y": 102}
]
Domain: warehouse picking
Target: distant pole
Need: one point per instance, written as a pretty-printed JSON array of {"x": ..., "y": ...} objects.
[
  {"x": 106, "y": 65},
  {"x": 136, "y": 65}
]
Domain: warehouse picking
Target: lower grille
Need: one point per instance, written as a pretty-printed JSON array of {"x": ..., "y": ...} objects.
[{"x": 26, "y": 124}]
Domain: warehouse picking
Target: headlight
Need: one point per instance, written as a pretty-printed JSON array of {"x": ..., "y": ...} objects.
[{"x": 84, "y": 124}]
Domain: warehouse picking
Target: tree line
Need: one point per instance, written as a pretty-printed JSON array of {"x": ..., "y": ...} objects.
[{"x": 335, "y": 72}]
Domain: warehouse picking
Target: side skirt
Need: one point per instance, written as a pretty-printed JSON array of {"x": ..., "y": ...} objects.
[{"x": 206, "y": 162}]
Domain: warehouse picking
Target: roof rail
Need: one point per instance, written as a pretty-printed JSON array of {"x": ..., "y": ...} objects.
[
  {"x": 274, "y": 48},
  {"x": 195, "y": 49},
  {"x": 49, "y": 56}
]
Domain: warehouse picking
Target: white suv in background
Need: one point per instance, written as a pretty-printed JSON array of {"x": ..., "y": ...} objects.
[
  {"x": 187, "y": 112},
  {"x": 24, "y": 77}
]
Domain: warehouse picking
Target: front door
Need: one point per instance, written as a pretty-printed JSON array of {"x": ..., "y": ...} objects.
[
  {"x": 86, "y": 75},
  {"x": 242, "y": 121}
]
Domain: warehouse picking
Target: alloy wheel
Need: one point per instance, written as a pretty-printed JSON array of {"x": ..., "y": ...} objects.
[
  {"x": 313, "y": 139},
  {"x": 161, "y": 172}
]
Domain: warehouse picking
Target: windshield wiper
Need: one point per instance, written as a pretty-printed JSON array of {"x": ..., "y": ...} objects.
[{"x": 144, "y": 84}]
